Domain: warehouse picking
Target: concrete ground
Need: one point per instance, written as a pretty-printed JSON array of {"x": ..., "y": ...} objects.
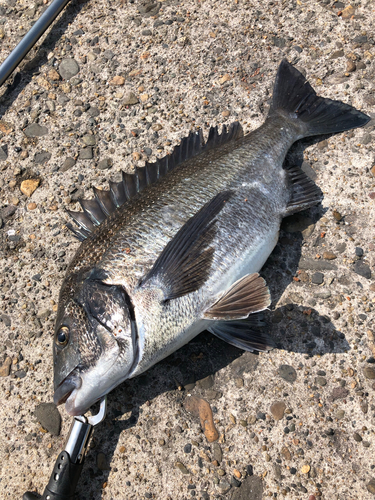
[{"x": 111, "y": 85}]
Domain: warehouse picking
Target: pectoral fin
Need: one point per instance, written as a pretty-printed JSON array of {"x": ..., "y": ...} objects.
[
  {"x": 184, "y": 264},
  {"x": 245, "y": 334},
  {"x": 248, "y": 295}
]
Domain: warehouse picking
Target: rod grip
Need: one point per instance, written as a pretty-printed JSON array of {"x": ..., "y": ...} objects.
[{"x": 63, "y": 480}]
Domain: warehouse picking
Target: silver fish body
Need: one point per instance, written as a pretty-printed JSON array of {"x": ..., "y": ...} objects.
[{"x": 175, "y": 250}]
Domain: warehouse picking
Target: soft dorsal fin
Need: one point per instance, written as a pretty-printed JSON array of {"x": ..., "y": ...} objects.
[
  {"x": 96, "y": 210},
  {"x": 304, "y": 192}
]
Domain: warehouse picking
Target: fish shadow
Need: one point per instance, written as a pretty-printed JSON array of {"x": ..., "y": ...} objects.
[{"x": 293, "y": 327}]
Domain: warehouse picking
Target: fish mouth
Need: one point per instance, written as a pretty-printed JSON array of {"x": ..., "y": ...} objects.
[{"x": 66, "y": 388}]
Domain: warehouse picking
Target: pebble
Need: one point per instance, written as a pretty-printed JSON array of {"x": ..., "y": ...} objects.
[
  {"x": 286, "y": 453},
  {"x": 237, "y": 474},
  {"x": 359, "y": 251},
  {"x": 277, "y": 471},
  {"x": 305, "y": 469},
  {"x": 321, "y": 381},
  {"x": 206, "y": 383},
  {"x": 337, "y": 215},
  {"x": 187, "y": 448},
  {"x": 288, "y": 373},
  {"x": 316, "y": 265},
  {"x": 117, "y": 80},
  {"x": 89, "y": 140},
  {"x": 68, "y": 164},
  {"x": 105, "y": 164},
  {"x": 86, "y": 154},
  {"x": 108, "y": 54},
  {"x": 338, "y": 393},
  {"x": 53, "y": 75},
  {"x": 369, "y": 372},
  {"x": 43, "y": 313},
  {"x": 200, "y": 407},
  {"x": 29, "y": 186},
  {"x": 35, "y": 130},
  {"x": 42, "y": 157},
  {"x": 348, "y": 12},
  {"x": 357, "y": 437},
  {"x": 371, "y": 486},
  {"x": 366, "y": 138},
  {"x": 224, "y": 79},
  {"x": 329, "y": 256},
  {"x": 277, "y": 409},
  {"x": 181, "y": 467},
  {"x": 350, "y": 66},
  {"x": 93, "y": 112},
  {"x": 239, "y": 382},
  {"x": 336, "y": 54},
  {"x": 68, "y": 68},
  {"x": 224, "y": 487},
  {"x": 49, "y": 417},
  {"x": 317, "y": 278},
  {"x": 3, "y": 152},
  {"x": 130, "y": 99},
  {"x": 251, "y": 488},
  {"x": 362, "y": 269},
  {"x": 217, "y": 452},
  {"x": 235, "y": 482},
  {"x": 5, "y": 367}
]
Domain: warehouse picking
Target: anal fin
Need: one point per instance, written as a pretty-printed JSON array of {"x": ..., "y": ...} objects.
[
  {"x": 248, "y": 295},
  {"x": 247, "y": 334}
]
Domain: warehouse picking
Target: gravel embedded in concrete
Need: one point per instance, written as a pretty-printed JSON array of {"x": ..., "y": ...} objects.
[{"x": 113, "y": 85}]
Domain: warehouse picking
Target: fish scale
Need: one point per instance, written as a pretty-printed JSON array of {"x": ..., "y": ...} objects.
[
  {"x": 176, "y": 248},
  {"x": 231, "y": 170}
]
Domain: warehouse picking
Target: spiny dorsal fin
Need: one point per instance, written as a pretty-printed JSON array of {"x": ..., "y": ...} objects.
[
  {"x": 96, "y": 210},
  {"x": 184, "y": 264}
]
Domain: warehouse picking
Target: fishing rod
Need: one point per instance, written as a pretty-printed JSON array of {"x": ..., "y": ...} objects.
[
  {"x": 30, "y": 39},
  {"x": 69, "y": 464}
]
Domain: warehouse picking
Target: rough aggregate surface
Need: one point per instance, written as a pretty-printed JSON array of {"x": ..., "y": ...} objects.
[{"x": 113, "y": 84}]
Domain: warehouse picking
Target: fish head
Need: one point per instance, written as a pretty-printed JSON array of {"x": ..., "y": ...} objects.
[{"x": 94, "y": 345}]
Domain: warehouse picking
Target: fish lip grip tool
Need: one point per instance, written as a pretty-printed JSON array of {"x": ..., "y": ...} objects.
[{"x": 69, "y": 464}]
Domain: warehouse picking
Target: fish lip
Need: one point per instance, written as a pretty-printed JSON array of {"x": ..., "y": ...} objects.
[{"x": 64, "y": 391}]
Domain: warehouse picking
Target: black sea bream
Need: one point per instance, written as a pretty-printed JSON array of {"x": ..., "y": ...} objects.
[{"x": 175, "y": 248}]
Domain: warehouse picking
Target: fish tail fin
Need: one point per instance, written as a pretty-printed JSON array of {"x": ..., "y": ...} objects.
[{"x": 296, "y": 100}]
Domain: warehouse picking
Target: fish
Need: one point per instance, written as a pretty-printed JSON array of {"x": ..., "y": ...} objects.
[{"x": 176, "y": 248}]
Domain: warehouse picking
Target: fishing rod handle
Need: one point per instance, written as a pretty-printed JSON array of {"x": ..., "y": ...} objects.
[
  {"x": 68, "y": 466},
  {"x": 63, "y": 481}
]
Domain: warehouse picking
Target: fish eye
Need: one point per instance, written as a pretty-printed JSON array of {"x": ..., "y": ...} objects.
[{"x": 62, "y": 336}]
